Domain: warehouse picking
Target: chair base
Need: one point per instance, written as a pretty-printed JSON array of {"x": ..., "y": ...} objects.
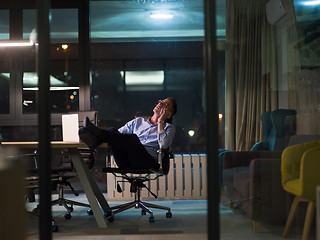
[
  {"x": 61, "y": 201},
  {"x": 145, "y": 206},
  {"x": 64, "y": 202}
]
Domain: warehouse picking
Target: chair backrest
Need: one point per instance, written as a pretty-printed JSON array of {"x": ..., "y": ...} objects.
[
  {"x": 278, "y": 126},
  {"x": 266, "y": 121},
  {"x": 284, "y": 126}
]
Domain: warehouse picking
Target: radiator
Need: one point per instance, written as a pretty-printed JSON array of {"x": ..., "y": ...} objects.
[{"x": 187, "y": 179}]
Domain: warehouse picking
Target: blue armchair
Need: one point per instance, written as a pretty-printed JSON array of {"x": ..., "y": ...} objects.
[{"x": 278, "y": 126}]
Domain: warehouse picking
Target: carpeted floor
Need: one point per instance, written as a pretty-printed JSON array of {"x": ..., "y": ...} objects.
[{"x": 189, "y": 221}]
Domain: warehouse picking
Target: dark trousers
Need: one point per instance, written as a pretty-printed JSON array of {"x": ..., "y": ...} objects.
[{"x": 127, "y": 150}]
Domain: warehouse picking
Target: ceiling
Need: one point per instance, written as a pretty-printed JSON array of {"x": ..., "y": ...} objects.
[
  {"x": 127, "y": 20},
  {"x": 131, "y": 19}
]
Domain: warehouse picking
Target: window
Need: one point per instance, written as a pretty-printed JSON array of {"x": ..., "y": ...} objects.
[
  {"x": 64, "y": 79},
  {"x": 4, "y": 79}
]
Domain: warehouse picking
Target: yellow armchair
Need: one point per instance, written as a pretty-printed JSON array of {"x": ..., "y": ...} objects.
[{"x": 300, "y": 165}]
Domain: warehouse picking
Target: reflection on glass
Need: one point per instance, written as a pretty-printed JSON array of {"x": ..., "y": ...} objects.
[
  {"x": 63, "y": 25},
  {"x": 4, "y": 26},
  {"x": 112, "y": 21},
  {"x": 307, "y": 10},
  {"x": 64, "y": 97},
  {"x": 64, "y": 65},
  {"x": 4, "y": 93},
  {"x": 272, "y": 107}
]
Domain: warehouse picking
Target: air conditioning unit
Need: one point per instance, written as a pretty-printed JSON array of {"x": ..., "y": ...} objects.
[{"x": 275, "y": 11}]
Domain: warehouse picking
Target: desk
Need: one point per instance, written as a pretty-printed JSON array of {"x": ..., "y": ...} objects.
[{"x": 91, "y": 189}]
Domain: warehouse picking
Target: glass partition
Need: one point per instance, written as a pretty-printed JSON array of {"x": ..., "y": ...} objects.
[
  {"x": 4, "y": 27},
  {"x": 4, "y": 78},
  {"x": 132, "y": 37},
  {"x": 271, "y": 111},
  {"x": 143, "y": 52}
]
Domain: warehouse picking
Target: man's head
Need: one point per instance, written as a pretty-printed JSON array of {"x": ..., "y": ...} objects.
[{"x": 170, "y": 105}]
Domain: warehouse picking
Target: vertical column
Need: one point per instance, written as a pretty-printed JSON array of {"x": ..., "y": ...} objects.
[
  {"x": 212, "y": 119},
  {"x": 43, "y": 57},
  {"x": 84, "y": 55}
]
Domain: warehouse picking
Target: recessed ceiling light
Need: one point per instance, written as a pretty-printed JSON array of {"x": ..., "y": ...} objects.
[
  {"x": 311, "y": 3},
  {"x": 16, "y": 44},
  {"x": 161, "y": 15}
]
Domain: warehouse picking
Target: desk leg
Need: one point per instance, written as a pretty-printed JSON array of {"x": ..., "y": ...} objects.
[{"x": 91, "y": 188}]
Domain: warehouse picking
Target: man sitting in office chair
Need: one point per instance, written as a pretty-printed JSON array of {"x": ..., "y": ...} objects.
[{"x": 135, "y": 144}]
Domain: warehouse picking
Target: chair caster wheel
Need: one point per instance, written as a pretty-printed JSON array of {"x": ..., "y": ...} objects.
[
  {"x": 151, "y": 219},
  {"x": 168, "y": 215},
  {"x": 67, "y": 216},
  {"x": 90, "y": 212},
  {"x": 54, "y": 228},
  {"x": 143, "y": 212}
]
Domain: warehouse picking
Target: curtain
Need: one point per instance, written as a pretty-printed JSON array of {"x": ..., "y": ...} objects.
[{"x": 251, "y": 72}]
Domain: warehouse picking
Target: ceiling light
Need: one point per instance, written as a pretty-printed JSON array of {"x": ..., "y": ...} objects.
[
  {"x": 16, "y": 44},
  {"x": 143, "y": 77},
  {"x": 161, "y": 15},
  {"x": 311, "y": 3}
]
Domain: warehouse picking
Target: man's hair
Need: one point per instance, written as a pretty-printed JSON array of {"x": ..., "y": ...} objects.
[{"x": 174, "y": 108}]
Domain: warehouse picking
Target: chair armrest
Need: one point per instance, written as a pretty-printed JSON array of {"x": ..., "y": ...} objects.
[
  {"x": 265, "y": 190},
  {"x": 164, "y": 156},
  {"x": 265, "y": 175},
  {"x": 243, "y": 158}
]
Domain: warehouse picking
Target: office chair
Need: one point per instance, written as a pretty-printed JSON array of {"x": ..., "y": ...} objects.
[
  {"x": 137, "y": 179},
  {"x": 61, "y": 176}
]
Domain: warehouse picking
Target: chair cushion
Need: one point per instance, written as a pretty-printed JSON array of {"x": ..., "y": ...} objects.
[
  {"x": 294, "y": 187},
  {"x": 238, "y": 180}
]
